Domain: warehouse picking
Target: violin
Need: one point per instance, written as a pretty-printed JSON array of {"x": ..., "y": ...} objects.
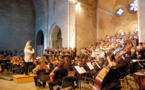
[{"x": 52, "y": 77}]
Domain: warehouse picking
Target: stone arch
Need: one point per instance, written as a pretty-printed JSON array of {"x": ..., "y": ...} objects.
[
  {"x": 107, "y": 6},
  {"x": 117, "y": 7},
  {"x": 55, "y": 36},
  {"x": 119, "y": 30},
  {"x": 39, "y": 43},
  {"x": 132, "y": 27}
]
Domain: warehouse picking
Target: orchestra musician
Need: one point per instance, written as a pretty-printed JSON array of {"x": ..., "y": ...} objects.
[
  {"x": 38, "y": 70},
  {"x": 134, "y": 66},
  {"x": 15, "y": 63},
  {"x": 74, "y": 73},
  {"x": 57, "y": 74},
  {"x": 5, "y": 62},
  {"x": 21, "y": 63},
  {"x": 1, "y": 62},
  {"x": 111, "y": 81}
]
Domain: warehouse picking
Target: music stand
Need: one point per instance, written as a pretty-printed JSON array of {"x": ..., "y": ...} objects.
[
  {"x": 48, "y": 66},
  {"x": 91, "y": 69},
  {"x": 97, "y": 65},
  {"x": 80, "y": 71},
  {"x": 90, "y": 66}
]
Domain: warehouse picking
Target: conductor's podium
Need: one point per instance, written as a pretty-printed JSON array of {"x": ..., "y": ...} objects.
[{"x": 23, "y": 78}]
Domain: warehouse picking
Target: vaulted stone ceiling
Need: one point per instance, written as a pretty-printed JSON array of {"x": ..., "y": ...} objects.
[
  {"x": 41, "y": 14},
  {"x": 107, "y": 5},
  {"x": 39, "y": 6}
]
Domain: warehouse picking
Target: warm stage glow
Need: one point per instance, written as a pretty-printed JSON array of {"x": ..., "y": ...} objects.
[
  {"x": 72, "y": 38},
  {"x": 78, "y": 7},
  {"x": 72, "y": 43},
  {"x": 73, "y": 1}
]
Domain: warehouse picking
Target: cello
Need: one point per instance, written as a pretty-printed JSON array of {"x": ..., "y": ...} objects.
[{"x": 98, "y": 81}]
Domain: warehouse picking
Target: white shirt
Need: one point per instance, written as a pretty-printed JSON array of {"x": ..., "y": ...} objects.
[
  {"x": 28, "y": 52},
  {"x": 102, "y": 55},
  {"x": 93, "y": 54}
]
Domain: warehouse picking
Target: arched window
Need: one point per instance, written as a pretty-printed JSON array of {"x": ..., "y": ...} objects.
[
  {"x": 122, "y": 33},
  {"x": 119, "y": 12},
  {"x": 136, "y": 30},
  {"x": 134, "y": 6}
]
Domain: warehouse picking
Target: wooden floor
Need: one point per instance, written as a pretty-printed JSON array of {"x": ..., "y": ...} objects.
[
  {"x": 11, "y": 85},
  {"x": 6, "y": 75},
  {"x": 6, "y": 84}
]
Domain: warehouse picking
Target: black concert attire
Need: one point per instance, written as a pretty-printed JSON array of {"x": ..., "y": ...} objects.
[
  {"x": 58, "y": 77},
  {"x": 26, "y": 67},
  {"x": 38, "y": 76},
  {"x": 27, "y": 56},
  {"x": 141, "y": 51},
  {"x": 67, "y": 66},
  {"x": 3, "y": 64},
  {"x": 134, "y": 66},
  {"x": 111, "y": 81},
  {"x": 7, "y": 64},
  {"x": 31, "y": 66}
]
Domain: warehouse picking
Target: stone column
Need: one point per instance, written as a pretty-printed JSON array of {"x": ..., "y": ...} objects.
[
  {"x": 72, "y": 24},
  {"x": 141, "y": 20}
]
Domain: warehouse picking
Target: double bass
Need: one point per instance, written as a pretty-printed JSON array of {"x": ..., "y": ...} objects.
[{"x": 99, "y": 79}]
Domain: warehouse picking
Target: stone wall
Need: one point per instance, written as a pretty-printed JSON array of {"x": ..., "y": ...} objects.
[
  {"x": 104, "y": 24},
  {"x": 105, "y": 18},
  {"x": 128, "y": 22},
  {"x": 41, "y": 20},
  {"x": 109, "y": 24},
  {"x": 58, "y": 16},
  {"x": 94, "y": 19},
  {"x": 141, "y": 20},
  {"x": 85, "y": 24},
  {"x": 16, "y": 24}
]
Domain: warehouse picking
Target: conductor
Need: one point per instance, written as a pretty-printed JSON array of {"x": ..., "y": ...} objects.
[{"x": 28, "y": 51}]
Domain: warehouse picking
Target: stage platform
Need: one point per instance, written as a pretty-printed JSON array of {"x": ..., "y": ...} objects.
[
  {"x": 23, "y": 78},
  {"x": 18, "y": 78}
]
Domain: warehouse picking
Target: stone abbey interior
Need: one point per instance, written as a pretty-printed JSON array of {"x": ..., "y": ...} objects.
[{"x": 92, "y": 40}]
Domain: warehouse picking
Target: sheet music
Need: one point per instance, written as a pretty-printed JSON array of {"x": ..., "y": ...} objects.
[
  {"x": 90, "y": 65},
  {"x": 134, "y": 60},
  {"x": 97, "y": 64},
  {"x": 48, "y": 66},
  {"x": 83, "y": 69},
  {"x": 80, "y": 71}
]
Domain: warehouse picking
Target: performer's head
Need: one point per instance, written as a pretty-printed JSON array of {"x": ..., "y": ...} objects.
[{"x": 42, "y": 61}]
